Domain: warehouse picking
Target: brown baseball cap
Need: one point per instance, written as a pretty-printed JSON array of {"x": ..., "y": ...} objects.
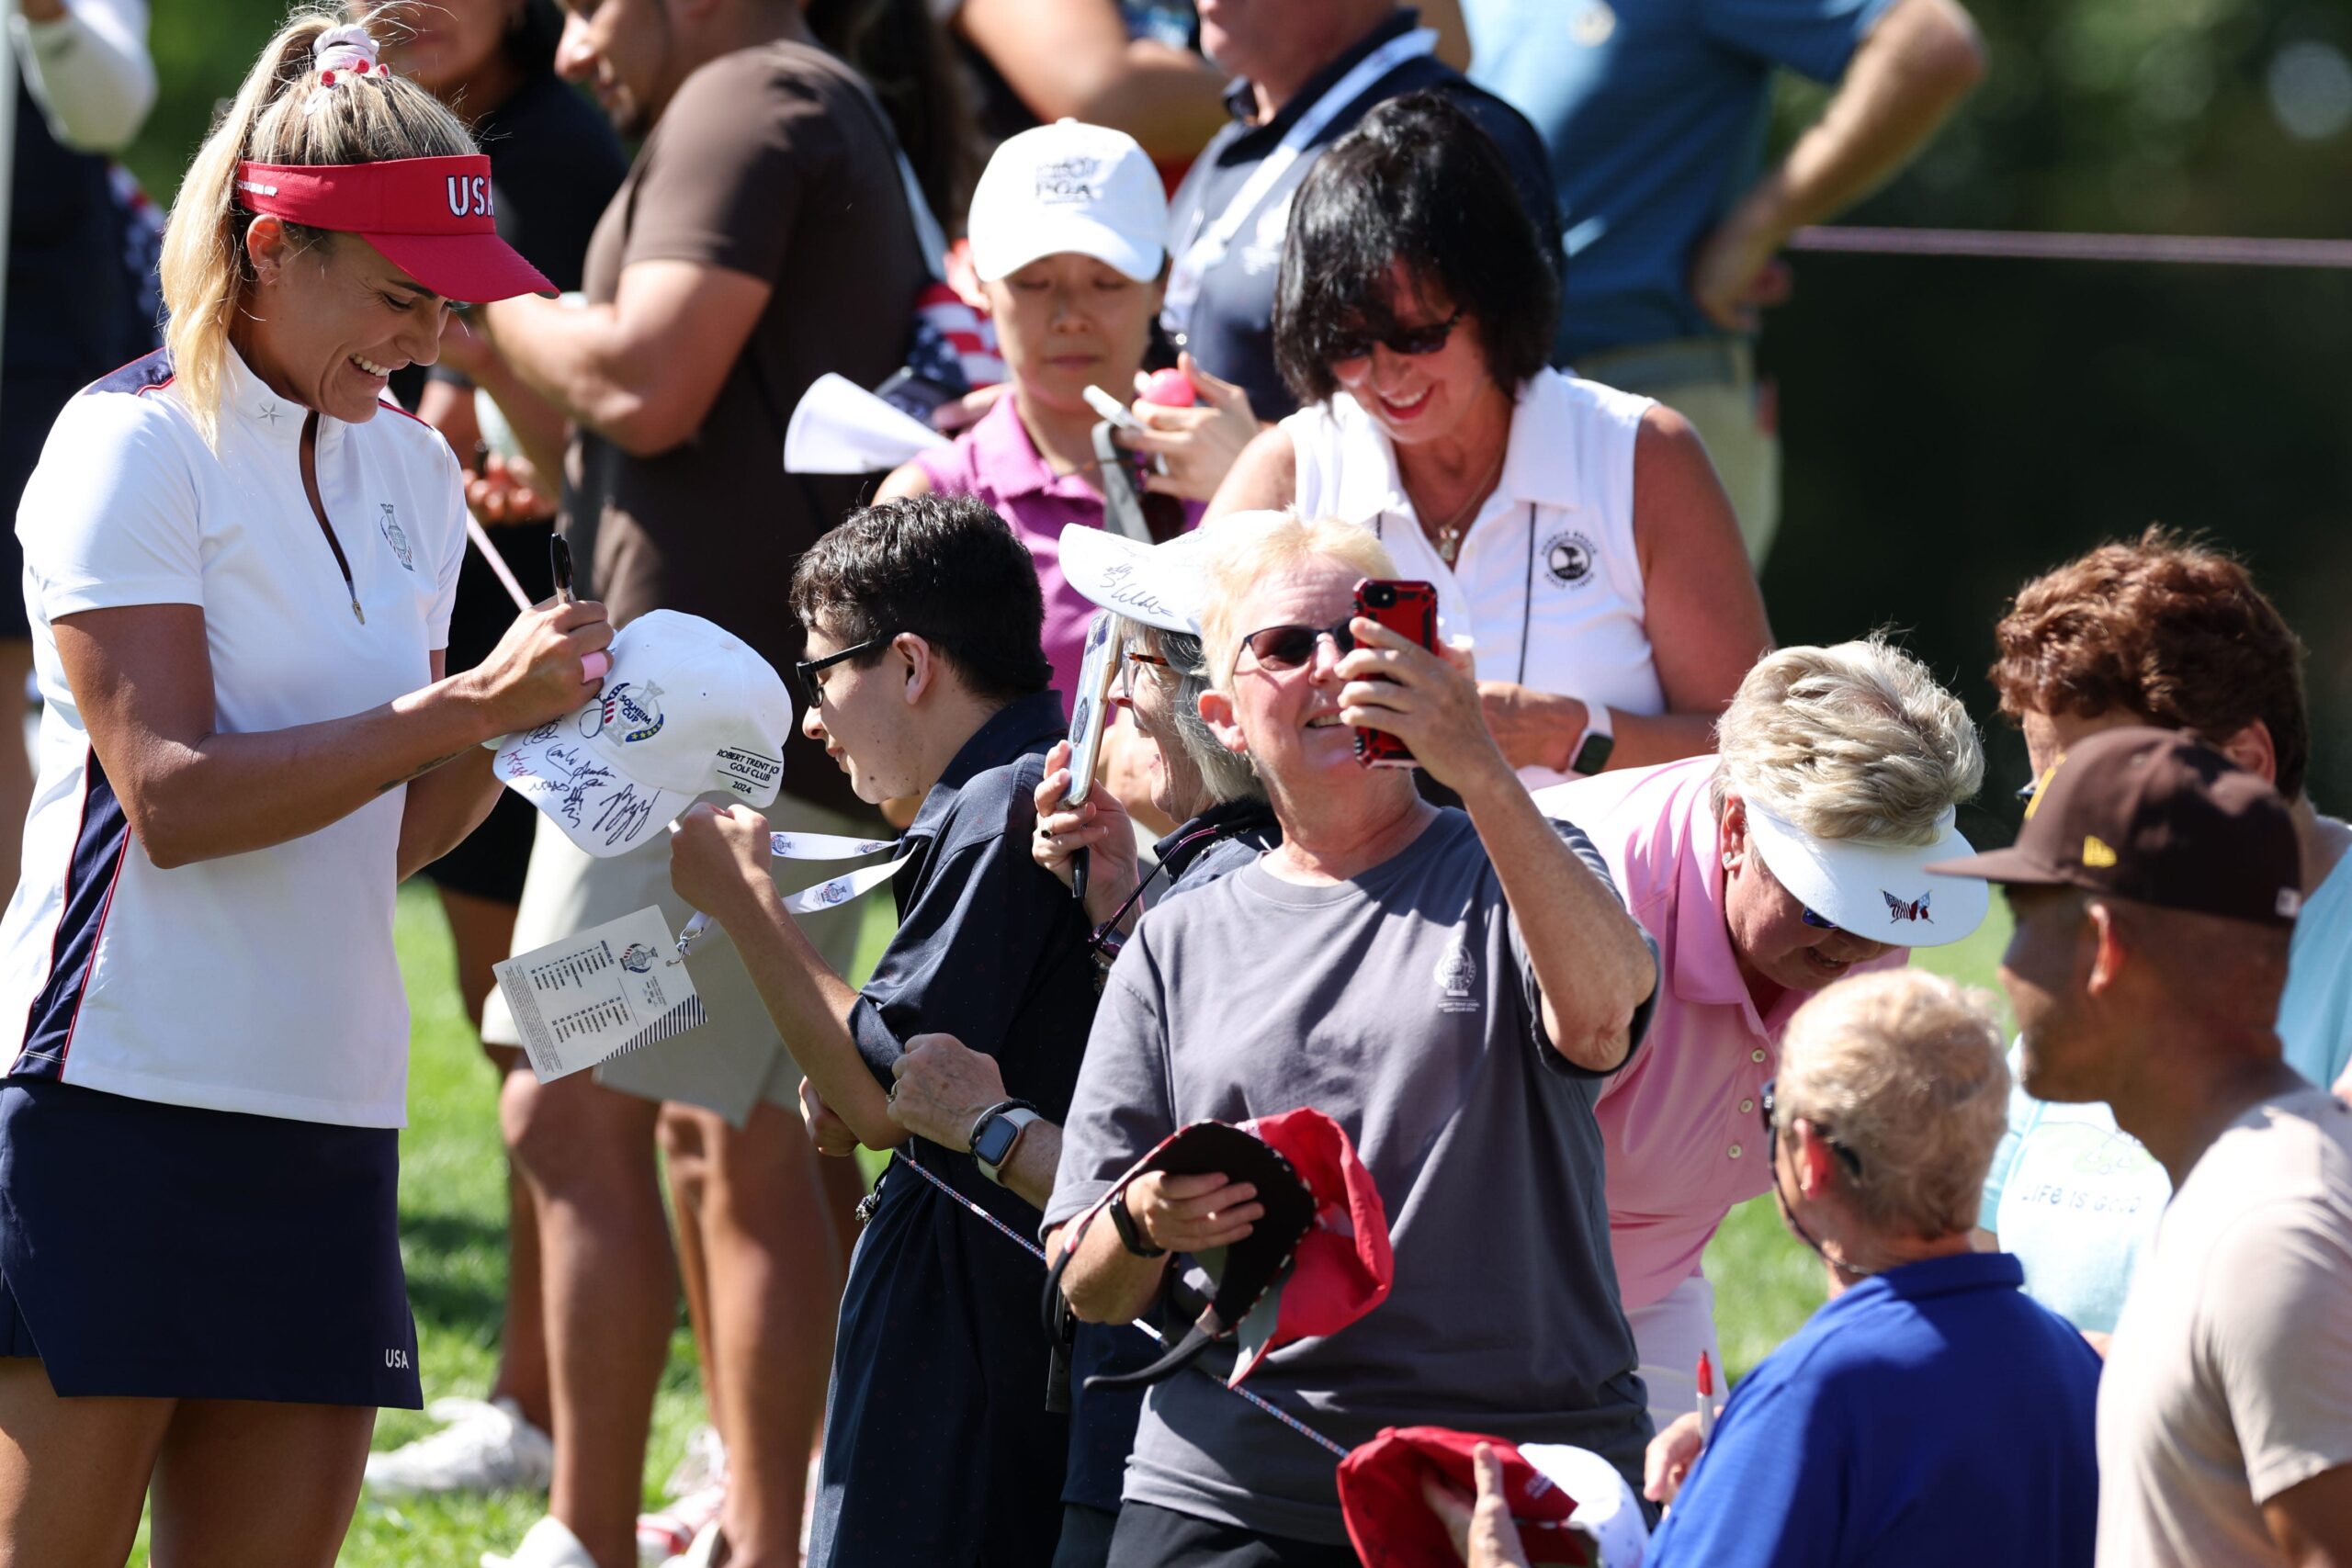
[{"x": 2159, "y": 817}]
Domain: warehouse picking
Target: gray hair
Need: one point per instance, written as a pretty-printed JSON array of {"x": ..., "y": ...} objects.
[
  {"x": 1852, "y": 741},
  {"x": 1904, "y": 1069},
  {"x": 1226, "y": 775}
]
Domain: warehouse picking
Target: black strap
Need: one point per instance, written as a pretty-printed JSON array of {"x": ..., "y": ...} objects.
[{"x": 319, "y": 508}]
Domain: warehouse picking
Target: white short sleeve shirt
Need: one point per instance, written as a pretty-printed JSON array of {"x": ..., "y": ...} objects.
[
  {"x": 1547, "y": 583},
  {"x": 261, "y": 982}
]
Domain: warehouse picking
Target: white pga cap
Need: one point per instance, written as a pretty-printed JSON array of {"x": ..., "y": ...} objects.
[
  {"x": 687, "y": 708},
  {"x": 1069, "y": 186},
  {"x": 1605, "y": 1504},
  {"x": 1883, "y": 892}
]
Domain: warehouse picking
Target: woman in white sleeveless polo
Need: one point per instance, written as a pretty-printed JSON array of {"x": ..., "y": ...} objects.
[{"x": 1577, "y": 534}]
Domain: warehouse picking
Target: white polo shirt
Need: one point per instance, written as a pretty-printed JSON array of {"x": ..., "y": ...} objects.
[
  {"x": 1546, "y": 584},
  {"x": 262, "y": 982}
]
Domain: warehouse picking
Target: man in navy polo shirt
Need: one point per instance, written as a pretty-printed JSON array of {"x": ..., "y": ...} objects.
[
  {"x": 1305, "y": 74},
  {"x": 925, "y": 676}
]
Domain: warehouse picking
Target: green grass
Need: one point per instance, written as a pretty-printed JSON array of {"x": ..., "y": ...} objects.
[{"x": 453, "y": 1213}]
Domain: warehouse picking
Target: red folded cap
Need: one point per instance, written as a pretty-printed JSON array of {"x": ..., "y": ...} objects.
[
  {"x": 1392, "y": 1525},
  {"x": 1343, "y": 1266},
  {"x": 432, "y": 217}
]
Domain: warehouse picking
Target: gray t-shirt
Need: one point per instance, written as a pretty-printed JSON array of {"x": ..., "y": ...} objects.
[{"x": 1403, "y": 1006}]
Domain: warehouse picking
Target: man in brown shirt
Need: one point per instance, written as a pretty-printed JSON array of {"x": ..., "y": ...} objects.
[{"x": 762, "y": 239}]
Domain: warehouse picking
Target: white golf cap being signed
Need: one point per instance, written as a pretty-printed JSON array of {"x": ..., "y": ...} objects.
[
  {"x": 687, "y": 709},
  {"x": 1883, "y": 892},
  {"x": 1159, "y": 585},
  {"x": 1069, "y": 186}
]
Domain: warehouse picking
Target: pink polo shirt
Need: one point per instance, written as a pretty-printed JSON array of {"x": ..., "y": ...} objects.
[
  {"x": 1680, "y": 1125},
  {"x": 997, "y": 461}
]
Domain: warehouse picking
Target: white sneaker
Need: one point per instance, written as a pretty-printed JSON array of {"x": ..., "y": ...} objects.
[
  {"x": 547, "y": 1544},
  {"x": 481, "y": 1446},
  {"x": 709, "y": 1550},
  {"x": 671, "y": 1533}
]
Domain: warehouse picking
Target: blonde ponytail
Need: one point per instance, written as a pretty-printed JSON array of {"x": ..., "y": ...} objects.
[{"x": 281, "y": 114}]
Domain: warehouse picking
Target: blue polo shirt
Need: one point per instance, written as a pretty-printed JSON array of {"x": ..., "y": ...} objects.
[
  {"x": 1932, "y": 1414},
  {"x": 938, "y": 1446},
  {"x": 1654, "y": 113},
  {"x": 1231, "y": 329}
]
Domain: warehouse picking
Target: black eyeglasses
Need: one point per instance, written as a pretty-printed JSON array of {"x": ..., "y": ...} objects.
[
  {"x": 805, "y": 671},
  {"x": 1412, "y": 341},
  {"x": 1292, "y": 646},
  {"x": 1107, "y": 939},
  {"x": 1764, "y": 1107}
]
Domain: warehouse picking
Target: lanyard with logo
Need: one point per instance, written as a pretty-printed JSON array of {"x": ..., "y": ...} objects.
[
  {"x": 1208, "y": 243},
  {"x": 828, "y": 895}
]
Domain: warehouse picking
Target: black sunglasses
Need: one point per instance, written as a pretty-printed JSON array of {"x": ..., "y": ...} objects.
[
  {"x": 1412, "y": 341},
  {"x": 1293, "y": 647},
  {"x": 805, "y": 673},
  {"x": 1764, "y": 1106}
]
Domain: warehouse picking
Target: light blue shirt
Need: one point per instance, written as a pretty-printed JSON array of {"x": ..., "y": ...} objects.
[
  {"x": 1653, "y": 115},
  {"x": 2315, "y": 1013},
  {"x": 2074, "y": 1198}
]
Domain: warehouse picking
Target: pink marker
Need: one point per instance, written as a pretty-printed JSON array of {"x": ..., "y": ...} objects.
[{"x": 1706, "y": 1400}]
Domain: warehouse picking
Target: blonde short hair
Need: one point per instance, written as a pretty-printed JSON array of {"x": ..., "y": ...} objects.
[
  {"x": 361, "y": 121},
  {"x": 1248, "y": 547},
  {"x": 1904, "y": 1069},
  {"x": 1852, "y": 741}
]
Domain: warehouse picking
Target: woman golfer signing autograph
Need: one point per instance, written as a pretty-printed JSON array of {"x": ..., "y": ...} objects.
[{"x": 239, "y": 567}]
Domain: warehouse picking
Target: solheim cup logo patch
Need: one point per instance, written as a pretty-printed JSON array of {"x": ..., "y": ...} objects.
[
  {"x": 637, "y": 709},
  {"x": 1458, "y": 979},
  {"x": 1067, "y": 180},
  {"x": 396, "y": 536}
]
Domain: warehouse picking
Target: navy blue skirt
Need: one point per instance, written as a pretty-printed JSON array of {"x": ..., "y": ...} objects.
[{"x": 159, "y": 1251}]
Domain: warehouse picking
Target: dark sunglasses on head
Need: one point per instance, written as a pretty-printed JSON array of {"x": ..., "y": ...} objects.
[
  {"x": 1412, "y": 341},
  {"x": 1293, "y": 647},
  {"x": 1764, "y": 1106},
  {"x": 805, "y": 673}
]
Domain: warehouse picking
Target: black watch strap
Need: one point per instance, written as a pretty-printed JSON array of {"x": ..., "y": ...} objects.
[
  {"x": 1592, "y": 756},
  {"x": 1131, "y": 1235}
]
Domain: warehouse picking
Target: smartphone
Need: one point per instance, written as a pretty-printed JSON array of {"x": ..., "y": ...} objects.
[
  {"x": 1408, "y": 609},
  {"x": 1089, "y": 715}
]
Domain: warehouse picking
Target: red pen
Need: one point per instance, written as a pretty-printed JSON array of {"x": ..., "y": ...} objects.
[{"x": 1706, "y": 1399}]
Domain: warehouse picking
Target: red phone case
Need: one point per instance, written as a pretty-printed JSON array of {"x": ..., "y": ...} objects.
[{"x": 1411, "y": 612}]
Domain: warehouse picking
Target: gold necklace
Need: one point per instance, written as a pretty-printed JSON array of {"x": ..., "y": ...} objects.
[{"x": 1448, "y": 534}]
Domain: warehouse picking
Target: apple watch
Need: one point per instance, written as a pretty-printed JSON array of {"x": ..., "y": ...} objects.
[
  {"x": 1598, "y": 740},
  {"x": 997, "y": 1133}
]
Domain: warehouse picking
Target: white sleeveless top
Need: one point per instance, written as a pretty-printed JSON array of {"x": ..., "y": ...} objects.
[{"x": 1547, "y": 585}]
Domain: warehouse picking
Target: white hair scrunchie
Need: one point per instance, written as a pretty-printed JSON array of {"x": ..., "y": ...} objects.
[{"x": 341, "y": 51}]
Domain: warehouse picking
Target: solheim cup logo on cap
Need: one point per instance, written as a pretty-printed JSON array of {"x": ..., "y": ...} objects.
[
  {"x": 638, "y": 708},
  {"x": 1568, "y": 557},
  {"x": 396, "y": 536},
  {"x": 470, "y": 195},
  {"x": 1075, "y": 178}
]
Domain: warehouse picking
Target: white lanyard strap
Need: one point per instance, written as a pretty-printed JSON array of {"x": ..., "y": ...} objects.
[
  {"x": 825, "y": 895},
  {"x": 823, "y": 846},
  {"x": 1209, "y": 241}
]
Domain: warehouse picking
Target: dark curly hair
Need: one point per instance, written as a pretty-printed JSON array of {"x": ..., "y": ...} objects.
[
  {"x": 2162, "y": 627},
  {"x": 943, "y": 566},
  {"x": 1420, "y": 182}
]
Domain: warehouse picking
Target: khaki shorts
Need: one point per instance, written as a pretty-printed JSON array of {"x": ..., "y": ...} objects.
[
  {"x": 737, "y": 1059},
  {"x": 1712, "y": 383}
]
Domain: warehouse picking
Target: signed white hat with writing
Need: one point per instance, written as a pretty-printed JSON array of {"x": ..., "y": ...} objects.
[{"x": 687, "y": 709}]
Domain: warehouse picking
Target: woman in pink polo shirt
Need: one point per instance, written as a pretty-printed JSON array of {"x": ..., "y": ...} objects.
[
  {"x": 1067, "y": 229},
  {"x": 1793, "y": 857}
]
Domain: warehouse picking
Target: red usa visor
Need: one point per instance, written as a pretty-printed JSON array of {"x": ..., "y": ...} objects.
[{"x": 431, "y": 217}]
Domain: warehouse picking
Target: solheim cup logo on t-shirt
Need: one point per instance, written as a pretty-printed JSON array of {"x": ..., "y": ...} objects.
[
  {"x": 1070, "y": 179},
  {"x": 1569, "y": 558},
  {"x": 637, "y": 709},
  {"x": 1458, "y": 979},
  {"x": 396, "y": 536}
]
